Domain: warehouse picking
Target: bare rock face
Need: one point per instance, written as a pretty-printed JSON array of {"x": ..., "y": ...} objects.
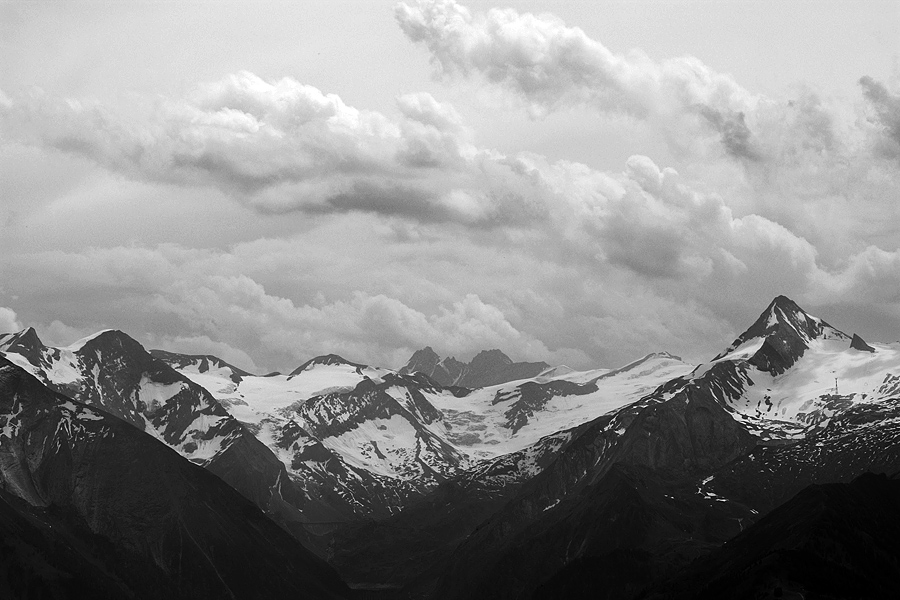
[
  {"x": 489, "y": 367},
  {"x": 786, "y": 331},
  {"x": 857, "y": 343},
  {"x": 446, "y": 371}
]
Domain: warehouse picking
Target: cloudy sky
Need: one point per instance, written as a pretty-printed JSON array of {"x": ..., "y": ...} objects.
[{"x": 575, "y": 182}]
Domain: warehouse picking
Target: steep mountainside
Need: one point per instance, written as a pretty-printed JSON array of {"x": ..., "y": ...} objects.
[
  {"x": 833, "y": 541},
  {"x": 90, "y": 504},
  {"x": 383, "y": 441},
  {"x": 686, "y": 467},
  {"x": 113, "y": 372},
  {"x": 602, "y": 480}
]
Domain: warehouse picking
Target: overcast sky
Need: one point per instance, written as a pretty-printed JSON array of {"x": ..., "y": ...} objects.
[{"x": 575, "y": 182}]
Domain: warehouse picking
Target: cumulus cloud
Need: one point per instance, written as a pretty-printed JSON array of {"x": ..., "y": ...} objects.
[
  {"x": 420, "y": 237},
  {"x": 621, "y": 263},
  {"x": 887, "y": 115},
  {"x": 9, "y": 323},
  {"x": 202, "y": 302},
  {"x": 278, "y": 145},
  {"x": 422, "y": 107},
  {"x": 551, "y": 65}
]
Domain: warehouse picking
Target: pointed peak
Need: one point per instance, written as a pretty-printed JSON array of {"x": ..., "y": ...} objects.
[
  {"x": 785, "y": 303},
  {"x": 452, "y": 361},
  {"x": 29, "y": 336},
  {"x": 782, "y": 313},
  {"x": 780, "y": 336},
  {"x": 783, "y": 308},
  {"x": 425, "y": 355},
  {"x": 27, "y": 339},
  {"x": 857, "y": 343},
  {"x": 424, "y": 360}
]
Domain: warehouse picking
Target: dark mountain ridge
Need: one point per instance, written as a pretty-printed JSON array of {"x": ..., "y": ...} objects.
[
  {"x": 135, "y": 514},
  {"x": 830, "y": 541},
  {"x": 488, "y": 367},
  {"x": 113, "y": 372},
  {"x": 605, "y": 509},
  {"x": 204, "y": 362},
  {"x": 669, "y": 477}
]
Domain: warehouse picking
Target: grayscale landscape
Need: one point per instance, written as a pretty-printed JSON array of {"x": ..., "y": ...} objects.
[{"x": 436, "y": 299}]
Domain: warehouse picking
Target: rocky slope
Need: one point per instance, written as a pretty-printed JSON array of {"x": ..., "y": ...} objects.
[
  {"x": 439, "y": 490},
  {"x": 832, "y": 541},
  {"x": 90, "y": 504},
  {"x": 113, "y": 372},
  {"x": 383, "y": 441},
  {"x": 680, "y": 471}
]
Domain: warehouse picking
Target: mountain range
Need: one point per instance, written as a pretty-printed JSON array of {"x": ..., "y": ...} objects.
[{"x": 127, "y": 471}]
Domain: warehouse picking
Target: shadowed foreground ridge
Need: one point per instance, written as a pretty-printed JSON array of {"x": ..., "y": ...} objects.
[
  {"x": 831, "y": 541},
  {"x": 89, "y": 504},
  {"x": 659, "y": 479}
]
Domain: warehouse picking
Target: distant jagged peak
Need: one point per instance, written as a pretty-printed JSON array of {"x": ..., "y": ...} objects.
[
  {"x": 451, "y": 362},
  {"x": 490, "y": 358},
  {"x": 426, "y": 354},
  {"x": 326, "y": 360},
  {"x": 423, "y": 361},
  {"x": 488, "y": 367}
]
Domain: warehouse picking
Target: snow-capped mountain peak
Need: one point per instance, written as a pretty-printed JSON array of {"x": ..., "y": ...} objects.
[
  {"x": 780, "y": 336},
  {"x": 100, "y": 338},
  {"x": 26, "y": 337},
  {"x": 25, "y": 342}
]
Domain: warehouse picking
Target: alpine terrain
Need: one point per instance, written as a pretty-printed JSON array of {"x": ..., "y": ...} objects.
[{"x": 445, "y": 479}]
